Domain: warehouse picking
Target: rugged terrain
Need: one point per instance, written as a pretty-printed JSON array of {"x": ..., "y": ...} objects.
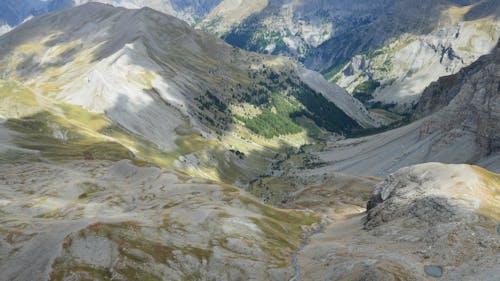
[
  {"x": 14, "y": 11},
  {"x": 133, "y": 147},
  {"x": 142, "y": 81},
  {"x": 394, "y": 76},
  {"x": 101, "y": 220},
  {"x": 455, "y": 122},
  {"x": 423, "y": 222},
  {"x": 363, "y": 46},
  {"x": 385, "y": 52}
]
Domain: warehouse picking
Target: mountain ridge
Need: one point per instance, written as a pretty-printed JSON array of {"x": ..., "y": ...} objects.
[
  {"x": 135, "y": 78},
  {"x": 353, "y": 44}
]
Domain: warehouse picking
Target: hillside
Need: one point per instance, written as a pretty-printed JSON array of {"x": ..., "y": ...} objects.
[
  {"x": 174, "y": 97},
  {"x": 459, "y": 117},
  {"x": 394, "y": 76},
  {"x": 101, "y": 220},
  {"x": 390, "y": 44}
]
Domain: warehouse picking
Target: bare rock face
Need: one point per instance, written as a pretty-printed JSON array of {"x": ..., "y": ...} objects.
[
  {"x": 440, "y": 93},
  {"x": 405, "y": 65},
  {"x": 358, "y": 63},
  {"x": 475, "y": 110}
]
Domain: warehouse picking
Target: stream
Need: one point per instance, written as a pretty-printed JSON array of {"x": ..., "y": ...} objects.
[
  {"x": 302, "y": 246},
  {"x": 296, "y": 266}
]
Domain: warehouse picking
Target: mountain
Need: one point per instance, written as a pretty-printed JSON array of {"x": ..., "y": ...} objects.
[
  {"x": 95, "y": 99},
  {"x": 456, "y": 122},
  {"x": 188, "y": 10},
  {"x": 150, "y": 84},
  {"x": 14, "y": 12},
  {"x": 394, "y": 76},
  {"x": 134, "y": 147},
  {"x": 385, "y": 52},
  {"x": 363, "y": 46}
]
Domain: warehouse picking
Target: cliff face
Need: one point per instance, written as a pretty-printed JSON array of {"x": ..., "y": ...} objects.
[
  {"x": 469, "y": 108},
  {"x": 407, "y": 63},
  {"x": 440, "y": 93}
]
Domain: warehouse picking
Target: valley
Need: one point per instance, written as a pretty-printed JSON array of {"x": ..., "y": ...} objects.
[{"x": 137, "y": 143}]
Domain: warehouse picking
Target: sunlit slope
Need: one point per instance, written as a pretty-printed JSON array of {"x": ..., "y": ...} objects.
[
  {"x": 407, "y": 64},
  {"x": 170, "y": 95}
]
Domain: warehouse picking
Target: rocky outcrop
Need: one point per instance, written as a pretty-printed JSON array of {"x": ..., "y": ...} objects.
[
  {"x": 143, "y": 57},
  {"x": 425, "y": 221},
  {"x": 408, "y": 64},
  {"x": 432, "y": 194},
  {"x": 165, "y": 84},
  {"x": 402, "y": 49},
  {"x": 440, "y": 93}
]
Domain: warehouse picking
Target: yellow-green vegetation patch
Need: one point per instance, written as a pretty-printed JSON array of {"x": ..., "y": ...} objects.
[
  {"x": 85, "y": 272},
  {"x": 21, "y": 53},
  {"x": 87, "y": 119},
  {"x": 70, "y": 132},
  {"x": 313, "y": 131},
  {"x": 192, "y": 143},
  {"x": 245, "y": 110},
  {"x": 16, "y": 101},
  {"x": 98, "y": 126},
  {"x": 147, "y": 78},
  {"x": 57, "y": 140},
  {"x": 490, "y": 203}
]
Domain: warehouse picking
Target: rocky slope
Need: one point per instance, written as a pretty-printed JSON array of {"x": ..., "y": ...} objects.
[
  {"x": 189, "y": 10},
  {"x": 386, "y": 34},
  {"x": 394, "y": 76},
  {"x": 104, "y": 220},
  {"x": 423, "y": 222},
  {"x": 171, "y": 95},
  {"x": 366, "y": 41},
  {"x": 462, "y": 128},
  {"x": 118, "y": 129},
  {"x": 14, "y": 12}
]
